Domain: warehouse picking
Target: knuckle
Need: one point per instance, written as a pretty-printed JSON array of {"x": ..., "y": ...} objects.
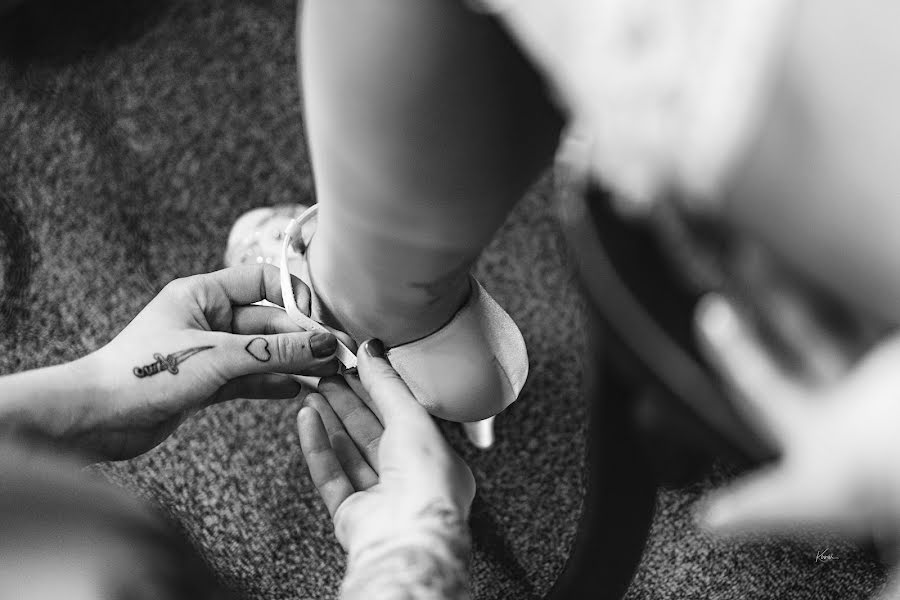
[
  {"x": 329, "y": 477},
  {"x": 301, "y": 293},
  {"x": 269, "y": 277},
  {"x": 283, "y": 349},
  {"x": 271, "y": 326},
  {"x": 386, "y": 382},
  {"x": 314, "y": 400},
  {"x": 355, "y": 414},
  {"x": 331, "y": 383},
  {"x": 370, "y": 447},
  {"x": 347, "y": 515},
  {"x": 178, "y": 288},
  {"x": 268, "y": 271}
]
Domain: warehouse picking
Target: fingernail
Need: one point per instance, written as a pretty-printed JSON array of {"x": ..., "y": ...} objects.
[
  {"x": 715, "y": 515},
  {"x": 375, "y": 348},
  {"x": 322, "y": 345},
  {"x": 718, "y": 319}
]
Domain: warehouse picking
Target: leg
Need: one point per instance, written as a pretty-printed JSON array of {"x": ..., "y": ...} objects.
[{"x": 425, "y": 126}]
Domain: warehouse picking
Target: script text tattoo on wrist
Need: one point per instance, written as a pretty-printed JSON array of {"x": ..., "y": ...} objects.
[{"x": 168, "y": 362}]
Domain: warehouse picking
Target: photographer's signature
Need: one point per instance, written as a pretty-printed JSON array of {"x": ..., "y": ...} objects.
[{"x": 825, "y": 556}]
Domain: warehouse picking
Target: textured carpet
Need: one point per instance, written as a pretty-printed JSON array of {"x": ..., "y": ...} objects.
[{"x": 132, "y": 134}]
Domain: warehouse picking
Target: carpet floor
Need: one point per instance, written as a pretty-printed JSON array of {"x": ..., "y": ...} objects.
[{"x": 132, "y": 134}]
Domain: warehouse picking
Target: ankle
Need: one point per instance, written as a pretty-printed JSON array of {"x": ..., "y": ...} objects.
[{"x": 347, "y": 304}]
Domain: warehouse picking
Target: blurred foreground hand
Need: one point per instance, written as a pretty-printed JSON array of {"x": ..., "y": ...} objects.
[{"x": 839, "y": 468}]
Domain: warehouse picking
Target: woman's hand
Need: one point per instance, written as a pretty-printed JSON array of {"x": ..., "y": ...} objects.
[
  {"x": 199, "y": 342},
  {"x": 840, "y": 449},
  {"x": 393, "y": 485}
]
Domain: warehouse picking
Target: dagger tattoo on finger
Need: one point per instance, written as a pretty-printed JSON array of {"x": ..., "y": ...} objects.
[{"x": 168, "y": 362}]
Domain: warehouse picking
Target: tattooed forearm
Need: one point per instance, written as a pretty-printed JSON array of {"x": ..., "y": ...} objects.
[
  {"x": 168, "y": 363},
  {"x": 429, "y": 563}
]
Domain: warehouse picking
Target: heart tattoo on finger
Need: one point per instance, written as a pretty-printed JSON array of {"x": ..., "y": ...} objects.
[{"x": 258, "y": 348}]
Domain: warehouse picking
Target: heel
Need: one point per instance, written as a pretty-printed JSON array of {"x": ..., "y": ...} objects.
[{"x": 480, "y": 433}]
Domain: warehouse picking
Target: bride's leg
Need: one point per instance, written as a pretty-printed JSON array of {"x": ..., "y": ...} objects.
[{"x": 425, "y": 125}]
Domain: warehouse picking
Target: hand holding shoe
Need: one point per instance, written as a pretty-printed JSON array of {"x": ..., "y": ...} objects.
[{"x": 199, "y": 342}]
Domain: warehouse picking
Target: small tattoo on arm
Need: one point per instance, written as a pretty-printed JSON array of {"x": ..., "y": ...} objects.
[
  {"x": 258, "y": 348},
  {"x": 168, "y": 363}
]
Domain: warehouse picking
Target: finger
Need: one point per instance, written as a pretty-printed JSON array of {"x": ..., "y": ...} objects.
[
  {"x": 358, "y": 420},
  {"x": 780, "y": 500},
  {"x": 793, "y": 314},
  {"x": 386, "y": 388},
  {"x": 300, "y": 353},
  {"x": 355, "y": 466},
  {"x": 255, "y": 319},
  {"x": 266, "y": 320},
  {"x": 355, "y": 383},
  {"x": 260, "y": 386},
  {"x": 820, "y": 353},
  {"x": 766, "y": 394},
  {"x": 324, "y": 467},
  {"x": 756, "y": 504},
  {"x": 253, "y": 283},
  {"x": 344, "y": 338}
]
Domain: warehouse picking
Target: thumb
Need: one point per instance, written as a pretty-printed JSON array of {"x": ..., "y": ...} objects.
[
  {"x": 389, "y": 393},
  {"x": 294, "y": 353},
  {"x": 757, "y": 503}
]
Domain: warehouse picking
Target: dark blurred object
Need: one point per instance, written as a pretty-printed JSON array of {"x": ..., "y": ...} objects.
[
  {"x": 64, "y": 31},
  {"x": 59, "y": 514},
  {"x": 706, "y": 254},
  {"x": 657, "y": 413},
  {"x": 18, "y": 257},
  {"x": 621, "y": 485},
  {"x": 8, "y": 5},
  {"x": 646, "y": 306}
]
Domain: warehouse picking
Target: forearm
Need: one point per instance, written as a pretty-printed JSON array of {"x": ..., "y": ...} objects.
[
  {"x": 428, "y": 561},
  {"x": 54, "y": 400}
]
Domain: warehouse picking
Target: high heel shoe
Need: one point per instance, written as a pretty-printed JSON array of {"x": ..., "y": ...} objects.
[{"x": 467, "y": 371}]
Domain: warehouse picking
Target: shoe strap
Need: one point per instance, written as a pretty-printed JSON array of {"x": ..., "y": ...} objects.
[{"x": 346, "y": 357}]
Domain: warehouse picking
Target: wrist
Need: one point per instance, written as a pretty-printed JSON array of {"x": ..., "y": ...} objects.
[
  {"x": 360, "y": 529},
  {"x": 93, "y": 390},
  {"x": 72, "y": 406},
  {"x": 57, "y": 400},
  {"x": 427, "y": 557}
]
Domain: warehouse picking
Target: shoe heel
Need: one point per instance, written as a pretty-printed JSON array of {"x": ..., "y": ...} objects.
[{"x": 480, "y": 433}]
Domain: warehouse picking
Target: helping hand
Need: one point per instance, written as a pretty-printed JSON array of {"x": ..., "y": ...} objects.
[
  {"x": 199, "y": 342},
  {"x": 378, "y": 460}
]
